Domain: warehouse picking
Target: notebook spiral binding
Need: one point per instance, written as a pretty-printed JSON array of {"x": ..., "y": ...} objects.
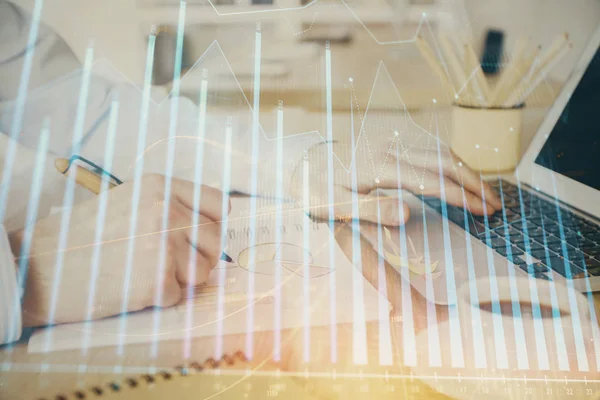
[{"x": 148, "y": 379}]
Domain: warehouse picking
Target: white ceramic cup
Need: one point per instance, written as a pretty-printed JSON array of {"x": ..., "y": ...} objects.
[
  {"x": 487, "y": 139},
  {"x": 554, "y": 339}
]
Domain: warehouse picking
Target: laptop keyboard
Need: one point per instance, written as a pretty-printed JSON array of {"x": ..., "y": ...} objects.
[{"x": 537, "y": 235}]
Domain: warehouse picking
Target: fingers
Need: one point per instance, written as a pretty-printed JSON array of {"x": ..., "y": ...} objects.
[
  {"x": 372, "y": 208},
  {"x": 192, "y": 267},
  {"x": 456, "y": 196},
  {"x": 198, "y": 251},
  {"x": 472, "y": 181},
  {"x": 456, "y": 177},
  {"x": 171, "y": 293},
  {"x": 208, "y": 239},
  {"x": 211, "y": 199}
]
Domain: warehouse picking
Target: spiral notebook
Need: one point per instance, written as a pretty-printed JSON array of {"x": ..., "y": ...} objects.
[{"x": 231, "y": 377}]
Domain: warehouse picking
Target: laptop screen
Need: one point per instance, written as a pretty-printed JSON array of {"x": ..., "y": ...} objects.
[{"x": 573, "y": 146}]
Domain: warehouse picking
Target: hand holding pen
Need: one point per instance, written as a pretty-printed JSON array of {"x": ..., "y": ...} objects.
[
  {"x": 109, "y": 266},
  {"x": 92, "y": 179}
]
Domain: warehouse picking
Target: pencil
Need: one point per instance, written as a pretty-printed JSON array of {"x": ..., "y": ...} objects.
[
  {"x": 474, "y": 66},
  {"x": 82, "y": 176},
  {"x": 434, "y": 64},
  {"x": 549, "y": 55},
  {"x": 524, "y": 68},
  {"x": 510, "y": 73},
  {"x": 537, "y": 65},
  {"x": 93, "y": 182},
  {"x": 539, "y": 77},
  {"x": 456, "y": 69}
]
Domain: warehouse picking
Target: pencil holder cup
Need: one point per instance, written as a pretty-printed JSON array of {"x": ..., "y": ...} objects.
[{"x": 487, "y": 139}]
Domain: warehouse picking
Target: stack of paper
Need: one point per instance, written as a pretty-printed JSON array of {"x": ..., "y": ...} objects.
[{"x": 281, "y": 278}]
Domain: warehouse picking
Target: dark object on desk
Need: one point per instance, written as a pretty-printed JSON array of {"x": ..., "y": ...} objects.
[
  {"x": 322, "y": 33},
  {"x": 491, "y": 60}
]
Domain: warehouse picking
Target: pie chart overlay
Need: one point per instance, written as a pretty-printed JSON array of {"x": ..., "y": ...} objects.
[{"x": 292, "y": 258}]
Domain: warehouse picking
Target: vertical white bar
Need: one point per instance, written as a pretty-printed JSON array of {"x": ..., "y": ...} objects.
[
  {"x": 97, "y": 253},
  {"x": 538, "y": 326},
  {"x": 433, "y": 334},
  {"x": 305, "y": 256},
  {"x": 162, "y": 257},
  {"x": 278, "y": 234},
  {"x": 561, "y": 350},
  {"x": 595, "y": 326},
  {"x": 592, "y": 310},
  {"x": 522, "y": 357},
  {"x": 19, "y": 108},
  {"x": 359, "y": 331},
  {"x": 17, "y": 125},
  {"x": 137, "y": 187},
  {"x": 476, "y": 326},
  {"x": 456, "y": 348},
  {"x": 224, "y": 223},
  {"x": 331, "y": 201},
  {"x": 479, "y": 349},
  {"x": 582, "y": 361},
  {"x": 501, "y": 356},
  {"x": 69, "y": 192},
  {"x": 253, "y": 190},
  {"x": 385, "y": 339},
  {"x": 32, "y": 212},
  {"x": 196, "y": 215},
  {"x": 408, "y": 328}
]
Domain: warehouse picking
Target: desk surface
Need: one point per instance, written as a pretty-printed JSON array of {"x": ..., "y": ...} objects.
[
  {"x": 27, "y": 379},
  {"x": 38, "y": 375}
]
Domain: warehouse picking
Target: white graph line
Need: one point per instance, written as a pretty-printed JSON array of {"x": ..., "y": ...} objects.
[
  {"x": 424, "y": 20},
  {"x": 382, "y": 67},
  {"x": 381, "y": 71}
]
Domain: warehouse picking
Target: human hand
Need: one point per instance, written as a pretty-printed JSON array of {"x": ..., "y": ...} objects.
[
  {"x": 82, "y": 289},
  {"x": 417, "y": 171}
]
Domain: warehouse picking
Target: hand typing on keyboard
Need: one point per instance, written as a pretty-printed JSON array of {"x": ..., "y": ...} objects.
[
  {"x": 535, "y": 233},
  {"x": 390, "y": 166}
]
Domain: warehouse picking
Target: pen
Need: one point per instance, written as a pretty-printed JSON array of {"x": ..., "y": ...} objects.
[{"x": 93, "y": 182}]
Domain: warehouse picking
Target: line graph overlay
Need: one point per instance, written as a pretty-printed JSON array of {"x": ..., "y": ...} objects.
[
  {"x": 381, "y": 79},
  {"x": 381, "y": 70}
]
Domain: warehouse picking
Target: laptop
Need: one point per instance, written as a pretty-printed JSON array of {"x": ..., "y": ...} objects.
[{"x": 549, "y": 227}]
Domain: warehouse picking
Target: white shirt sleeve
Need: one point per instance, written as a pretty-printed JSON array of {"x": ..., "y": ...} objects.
[
  {"x": 10, "y": 302},
  {"x": 51, "y": 57},
  {"x": 54, "y": 91}
]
